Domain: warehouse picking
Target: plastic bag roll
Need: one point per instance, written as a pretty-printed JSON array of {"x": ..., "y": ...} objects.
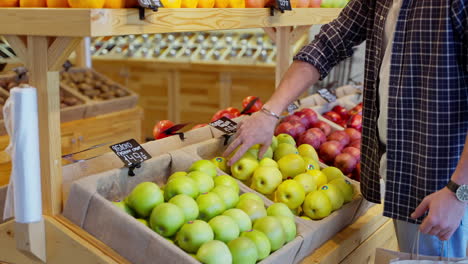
[{"x": 26, "y": 158}]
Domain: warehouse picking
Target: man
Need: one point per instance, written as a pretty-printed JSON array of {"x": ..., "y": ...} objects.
[{"x": 416, "y": 81}]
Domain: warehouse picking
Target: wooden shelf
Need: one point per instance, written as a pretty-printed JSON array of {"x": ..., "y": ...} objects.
[{"x": 72, "y": 22}]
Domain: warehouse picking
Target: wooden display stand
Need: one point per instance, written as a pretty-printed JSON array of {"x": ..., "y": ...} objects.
[{"x": 29, "y": 30}]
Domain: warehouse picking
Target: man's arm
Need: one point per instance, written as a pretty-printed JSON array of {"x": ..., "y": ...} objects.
[
  {"x": 445, "y": 210},
  {"x": 333, "y": 44}
]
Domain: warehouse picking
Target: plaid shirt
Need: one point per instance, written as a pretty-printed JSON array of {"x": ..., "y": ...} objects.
[{"x": 428, "y": 93}]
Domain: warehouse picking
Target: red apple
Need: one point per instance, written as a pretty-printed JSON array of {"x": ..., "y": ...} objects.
[
  {"x": 234, "y": 111},
  {"x": 353, "y": 151},
  {"x": 329, "y": 150},
  {"x": 198, "y": 126},
  {"x": 222, "y": 113},
  {"x": 353, "y": 133},
  {"x": 326, "y": 128},
  {"x": 342, "y": 123},
  {"x": 293, "y": 128},
  {"x": 309, "y": 115},
  {"x": 296, "y": 118},
  {"x": 339, "y": 136},
  {"x": 357, "y": 110},
  {"x": 355, "y": 144},
  {"x": 255, "y": 108},
  {"x": 315, "y": 3},
  {"x": 332, "y": 116},
  {"x": 341, "y": 111},
  {"x": 345, "y": 162},
  {"x": 160, "y": 127},
  {"x": 313, "y": 137},
  {"x": 298, "y": 129},
  {"x": 355, "y": 122},
  {"x": 357, "y": 172}
]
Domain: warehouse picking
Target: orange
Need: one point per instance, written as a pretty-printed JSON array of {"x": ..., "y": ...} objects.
[
  {"x": 86, "y": 3},
  {"x": 221, "y": 3},
  {"x": 206, "y": 3},
  {"x": 9, "y": 3},
  {"x": 189, "y": 3},
  {"x": 33, "y": 3},
  {"x": 114, "y": 4},
  {"x": 236, "y": 4},
  {"x": 131, "y": 3},
  {"x": 254, "y": 3},
  {"x": 172, "y": 3},
  {"x": 57, "y": 3}
]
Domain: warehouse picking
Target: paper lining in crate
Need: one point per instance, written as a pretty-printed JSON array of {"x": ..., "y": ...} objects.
[
  {"x": 102, "y": 96},
  {"x": 3, "y": 193},
  {"x": 90, "y": 208},
  {"x": 348, "y": 102},
  {"x": 313, "y": 232},
  {"x": 109, "y": 160},
  {"x": 316, "y": 100}
]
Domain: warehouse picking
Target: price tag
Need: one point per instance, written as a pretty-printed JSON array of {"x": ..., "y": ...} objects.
[
  {"x": 21, "y": 73},
  {"x": 150, "y": 3},
  {"x": 283, "y": 5},
  {"x": 225, "y": 124},
  {"x": 292, "y": 107},
  {"x": 327, "y": 95},
  {"x": 130, "y": 152}
]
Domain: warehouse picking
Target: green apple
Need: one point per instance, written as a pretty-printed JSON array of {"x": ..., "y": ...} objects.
[
  {"x": 228, "y": 181},
  {"x": 188, "y": 206},
  {"x": 176, "y": 175},
  {"x": 253, "y": 208},
  {"x": 244, "y": 168},
  {"x": 279, "y": 209},
  {"x": 268, "y": 162},
  {"x": 193, "y": 234},
  {"x": 291, "y": 165},
  {"x": 268, "y": 153},
  {"x": 240, "y": 217},
  {"x": 181, "y": 185},
  {"x": 144, "y": 197},
  {"x": 214, "y": 252},
  {"x": 307, "y": 181},
  {"x": 266, "y": 179},
  {"x": 243, "y": 251},
  {"x": 261, "y": 242},
  {"x": 169, "y": 240},
  {"x": 204, "y": 181},
  {"x": 317, "y": 205},
  {"x": 334, "y": 194},
  {"x": 166, "y": 219},
  {"x": 228, "y": 195},
  {"x": 305, "y": 217},
  {"x": 311, "y": 164},
  {"x": 285, "y": 138},
  {"x": 319, "y": 177},
  {"x": 143, "y": 221},
  {"x": 332, "y": 173},
  {"x": 210, "y": 205},
  {"x": 247, "y": 154},
  {"x": 345, "y": 187},
  {"x": 224, "y": 228},
  {"x": 284, "y": 149},
  {"x": 291, "y": 193},
  {"x": 204, "y": 165},
  {"x": 251, "y": 196},
  {"x": 306, "y": 150},
  {"x": 289, "y": 227},
  {"x": 221, "y": 163},
  {"x": 124, "y": 207},
  {"x": 273, "y": 229},
  {"x": 274, "y": 143}
]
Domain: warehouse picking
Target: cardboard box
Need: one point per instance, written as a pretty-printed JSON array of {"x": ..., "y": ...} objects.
[
  {"x": 314, "y": 233},
  {"x": 90, "y": 208}
]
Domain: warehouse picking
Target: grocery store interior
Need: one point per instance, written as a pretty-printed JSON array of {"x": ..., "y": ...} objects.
[{"x": 129, "y": 166}]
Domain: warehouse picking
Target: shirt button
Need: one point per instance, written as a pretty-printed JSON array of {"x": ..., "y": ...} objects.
[{"x": 381, "y": 18}]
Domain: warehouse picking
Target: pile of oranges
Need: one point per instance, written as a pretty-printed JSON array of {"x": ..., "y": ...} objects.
[{"x": 70, "y": 3}]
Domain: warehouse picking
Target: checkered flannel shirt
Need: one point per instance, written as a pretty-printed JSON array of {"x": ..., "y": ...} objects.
[{"x": 428, "y": 93}]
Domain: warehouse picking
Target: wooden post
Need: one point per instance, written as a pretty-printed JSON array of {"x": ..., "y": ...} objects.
[
  {"x": 173, "y": 98},
  {"x": 83, "y": 54},
  {"x": 283, "y": 52},
  {"x": 225, "y": 85}
]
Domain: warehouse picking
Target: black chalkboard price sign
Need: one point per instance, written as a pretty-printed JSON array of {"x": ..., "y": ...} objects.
[
  {"x": 130, "y": 152},
  {"x": 150, "y": 3},
  {"x": 225, "y": 125},
  {"x": 327, "y": 95},
  {"x": 283, "y": 5}
]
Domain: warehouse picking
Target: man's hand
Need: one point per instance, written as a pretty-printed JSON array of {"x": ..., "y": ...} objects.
[
  {"x": 445, "y": 214},
  {"x": 256, "y": 129}
]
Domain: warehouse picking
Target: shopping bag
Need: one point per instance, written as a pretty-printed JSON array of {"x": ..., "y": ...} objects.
[{"x": 385, "y": 256}]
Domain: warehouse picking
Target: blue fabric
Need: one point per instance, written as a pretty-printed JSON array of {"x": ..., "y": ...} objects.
[
  {"x": 429, "y": 245},
  {"x": 428, "y": 93}
]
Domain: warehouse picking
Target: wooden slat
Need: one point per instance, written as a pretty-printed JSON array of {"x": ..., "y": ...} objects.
[
  {"x": 30, "y": 240},
  {"x": 102, "y": 22},
  {"x": 283, "y": 52},
  {"x": 83, "y": 54},
  {"x": 59, "y": 51},
  {"x": 18, "y": 45}
]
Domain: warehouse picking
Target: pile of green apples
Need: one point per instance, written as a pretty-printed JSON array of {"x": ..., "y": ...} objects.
[
  {"x": 292, "y": 175},
  {"x": 204, "y": 215}
]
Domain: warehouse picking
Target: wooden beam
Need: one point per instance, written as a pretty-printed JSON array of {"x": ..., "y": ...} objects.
[
  {"x": 271, "y": 32},
  {"x": 173, "y": 98},
  {"x": 60, "y": 50},
  {"x": 47, "y": 84},
  {"x": 30, "y": 240},
  {"x": 83, "y": 54},
  {"x": 225, "y": 85},
  {"x": 298, "y": 33},
  {"x": 283, "y": 52},
  {"x": 19, "y": 46}
]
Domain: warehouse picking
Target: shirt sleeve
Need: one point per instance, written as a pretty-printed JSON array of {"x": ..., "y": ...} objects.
[
  {"x": 336, "y": 39},
  {"x": 459, "y": 11}
]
